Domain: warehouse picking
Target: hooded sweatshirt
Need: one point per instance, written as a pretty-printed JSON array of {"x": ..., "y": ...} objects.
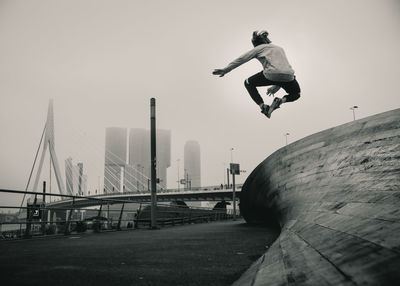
[{"x": 276, "y": 67}]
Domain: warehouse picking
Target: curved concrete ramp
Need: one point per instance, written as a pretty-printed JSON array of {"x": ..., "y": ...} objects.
[{"x": 336, "y": 197}]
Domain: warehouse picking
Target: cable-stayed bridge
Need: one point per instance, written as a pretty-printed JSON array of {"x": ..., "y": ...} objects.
[
  {"x": 135, "y": 178},
  {"x": 137, "y": 184},
  {"x": 213, "y": 193}
]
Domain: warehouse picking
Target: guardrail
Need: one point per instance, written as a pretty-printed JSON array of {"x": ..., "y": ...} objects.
[
  {"x": 194, "y": 189},
  {"x": 38, "y": 219}
]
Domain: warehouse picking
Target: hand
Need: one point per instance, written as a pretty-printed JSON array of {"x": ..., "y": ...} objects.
[
  {"x": 272, "y": 90},
  {"x": 219, "y": 72}
]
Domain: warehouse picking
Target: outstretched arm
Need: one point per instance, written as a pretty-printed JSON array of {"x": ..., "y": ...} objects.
[
  {"x": 220, "y": 72},
  {"x": 239, "y": 61}
]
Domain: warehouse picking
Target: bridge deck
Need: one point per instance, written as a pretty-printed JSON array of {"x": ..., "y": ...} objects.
[{"x": 162, "y": 196}]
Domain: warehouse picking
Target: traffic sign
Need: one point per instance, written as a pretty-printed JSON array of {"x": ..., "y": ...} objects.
[{"x": 235, "y": 169}]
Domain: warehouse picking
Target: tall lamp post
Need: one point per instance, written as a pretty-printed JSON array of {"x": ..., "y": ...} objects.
[
  {"x": 228, "y": 170},
  {"x": 178, "y": 174},
  {"x": 224, "y": 174},
  {"x": 286, "y": 135},
  {"x": 354, "y": 113},
  {"x": 235, "y": 170},
  {"x": 153, "y": 163}
]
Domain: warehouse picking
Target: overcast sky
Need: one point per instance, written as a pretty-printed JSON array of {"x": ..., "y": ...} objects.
[{"x": 102, "y": 61}]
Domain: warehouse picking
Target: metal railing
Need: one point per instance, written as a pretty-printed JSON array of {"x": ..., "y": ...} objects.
[
  {"x": 39, "y": 219},
  {"x": 193, "y": 189}
]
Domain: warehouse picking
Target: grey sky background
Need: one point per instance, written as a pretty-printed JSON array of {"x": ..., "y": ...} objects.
[{"x": 102, "y": 61}]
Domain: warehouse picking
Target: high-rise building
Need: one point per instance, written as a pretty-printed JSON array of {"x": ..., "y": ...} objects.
[
  {"x": 163, "y": 155},
  {"x": 115, "y": 159},
  {"x": 138, "y": 171},
  {"x": 192, "y": 164},
  {"x": 76, "y": 180}
]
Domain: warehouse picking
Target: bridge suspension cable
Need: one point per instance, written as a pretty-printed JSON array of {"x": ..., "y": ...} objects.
[
  {"x": 131, "y": 175},
  {"x": 33, "y": 166},
  {"x": 141, "y": 179}
]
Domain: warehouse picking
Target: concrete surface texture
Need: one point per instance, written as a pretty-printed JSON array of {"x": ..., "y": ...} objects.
[{"x": 336, "y": 196}]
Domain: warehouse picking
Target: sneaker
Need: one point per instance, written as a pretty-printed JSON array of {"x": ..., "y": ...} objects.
[
  {"x": 264, "y": 109},
  {"x": 275, "y": 105}
]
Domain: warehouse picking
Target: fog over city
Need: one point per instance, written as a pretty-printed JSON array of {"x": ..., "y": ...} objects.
[{"x": 102, "y": 61}]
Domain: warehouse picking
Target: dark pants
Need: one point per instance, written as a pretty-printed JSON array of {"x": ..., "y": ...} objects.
[{"x": 291, "y": 87}]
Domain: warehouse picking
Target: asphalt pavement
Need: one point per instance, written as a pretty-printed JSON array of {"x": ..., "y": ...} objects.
[{"x": 214, "y": 253}]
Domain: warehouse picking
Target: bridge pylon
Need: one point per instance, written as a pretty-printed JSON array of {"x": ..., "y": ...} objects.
[{"x": 50, "y": 144}]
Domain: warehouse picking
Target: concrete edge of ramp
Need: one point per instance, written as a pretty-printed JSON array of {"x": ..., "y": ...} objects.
[{"x": 336, "y": 196}]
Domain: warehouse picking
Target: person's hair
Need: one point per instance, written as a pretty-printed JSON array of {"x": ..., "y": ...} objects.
[{"x": 260, "y": 38}]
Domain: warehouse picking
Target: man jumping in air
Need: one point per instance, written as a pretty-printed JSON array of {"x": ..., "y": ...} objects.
[{"x": 276, "y": 72}]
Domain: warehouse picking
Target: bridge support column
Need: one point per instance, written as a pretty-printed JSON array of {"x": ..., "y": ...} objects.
[
  {"x": 68, "y": 221},
  {"x": 108, "y": 216}
]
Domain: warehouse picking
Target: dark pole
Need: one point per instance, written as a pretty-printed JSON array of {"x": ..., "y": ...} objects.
[
  {"x": 120, "y": 217},
  {"x": 44, "y": 191},
  {"x": 233, "y": 196},
  {"x": 153, "y": 164},
  {"x": 227, "y": 176},
  {"x": 44, "y": 215}
]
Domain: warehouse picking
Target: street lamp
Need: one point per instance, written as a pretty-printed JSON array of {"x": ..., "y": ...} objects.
[
  {"x": 354, "y": 113},
  {"x": 286, "y": 135},
  {"x": 178, "y": 174},
  {"x": 235, "y": 170},
  {"x": 184, "y": 176},
  {"x": 224, "y": 172}
]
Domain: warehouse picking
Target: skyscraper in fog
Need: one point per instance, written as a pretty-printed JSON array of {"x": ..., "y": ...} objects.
[
  {"x": 75, "y": 179},
  {"x": 192, "y": 164},
  {"x": 132, "y": 173},
  {"x": 115, "y": 159},
  {"x": 138, "y": 169},
  {"x": 163, "y": 155},
  {"x": 138, "y": 172}
]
